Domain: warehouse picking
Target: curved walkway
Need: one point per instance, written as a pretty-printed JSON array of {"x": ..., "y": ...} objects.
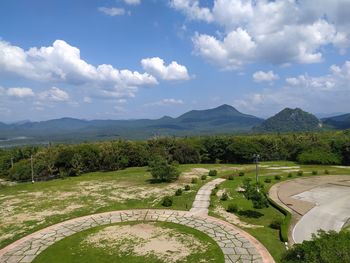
[{"x": 236, "y": 245}]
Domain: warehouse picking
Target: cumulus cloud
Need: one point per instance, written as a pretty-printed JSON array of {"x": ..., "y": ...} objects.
[
  {"x": 20, "y": 92},
  {"x": 112, "y": 11},
  {"x": 309, "y": 92},
  {"x": 54, "y": 94},
  {"x": 157, "y": 67},
  {"x": 132, "y": 2},
  {"x": 166, "y": 102},
  {"x": 261, "y": 76},
  {"x": 192, "y": 9},
  {"x": 278, "y": 32},
  {"x": 61, "y": 63}
]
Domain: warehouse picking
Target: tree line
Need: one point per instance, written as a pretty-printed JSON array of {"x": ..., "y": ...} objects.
[{"x": 64, "y": 160}]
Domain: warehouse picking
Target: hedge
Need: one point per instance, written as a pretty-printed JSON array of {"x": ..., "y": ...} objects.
[{"x": 286, "y": 221}]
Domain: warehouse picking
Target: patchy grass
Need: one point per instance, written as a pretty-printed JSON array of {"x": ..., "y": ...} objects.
[
  {"x": 257, "y": 221},
  {"x": 156, "y": 242}
]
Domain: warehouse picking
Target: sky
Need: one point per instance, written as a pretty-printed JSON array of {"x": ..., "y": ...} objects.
[{"x": 130, "y": 59}]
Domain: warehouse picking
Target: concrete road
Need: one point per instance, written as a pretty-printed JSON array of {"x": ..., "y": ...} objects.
[{"x": 331, "y": 210}]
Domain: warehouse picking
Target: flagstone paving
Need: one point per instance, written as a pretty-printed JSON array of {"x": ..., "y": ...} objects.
[{"x": 236, "y": 245}]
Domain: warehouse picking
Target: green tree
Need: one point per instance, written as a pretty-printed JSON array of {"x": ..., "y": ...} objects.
[{"x": 163, "y": 171}]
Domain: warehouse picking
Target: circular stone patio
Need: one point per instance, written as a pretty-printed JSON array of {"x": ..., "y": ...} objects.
[{"x": 237, "y": 245}]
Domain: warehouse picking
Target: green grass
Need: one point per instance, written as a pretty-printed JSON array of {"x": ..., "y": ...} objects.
[
  {"x": 72, "y": 250},
  {"x": 269, "y": 237}
]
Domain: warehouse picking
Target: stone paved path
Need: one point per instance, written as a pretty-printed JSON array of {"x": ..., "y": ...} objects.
[
  {"x": 202, "y": 200},
  {"x": 237, "y": 245}
]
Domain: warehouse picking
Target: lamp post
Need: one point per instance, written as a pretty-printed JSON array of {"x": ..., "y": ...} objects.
[
  {"x": 256, "y": 160},
  {"x": 32, "y": 168}
]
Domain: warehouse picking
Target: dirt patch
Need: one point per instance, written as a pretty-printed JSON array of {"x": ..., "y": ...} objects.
[
  {"x": 283, "y": 167},
  {"x": 195, "y": 173},
  {"x": 232, "y": 218},
  {"x": 145, "y": 240}
]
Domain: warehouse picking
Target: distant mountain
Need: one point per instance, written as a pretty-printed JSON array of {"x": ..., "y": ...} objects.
[
  {"x": 220, "y": 120},
  {"x": 289, "y": 120},
  {"x": 338, "y": 122}
]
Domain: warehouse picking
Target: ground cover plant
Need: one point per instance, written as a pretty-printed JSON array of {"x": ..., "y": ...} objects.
[{"x": 156, "y": 242}]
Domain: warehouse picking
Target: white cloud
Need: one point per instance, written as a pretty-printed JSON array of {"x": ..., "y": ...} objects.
[
  {"x": 278, "y": 32},
  {"x": 112, "y": 11},
  {"x": 20, "y": 92},
  {"x": 132, "y": 2},
  {"x": 166, "y": 102},
  {"x": 192, "y": 9},
  {"x": 156, "y": 66},
  {"x": 309, "y": 92},
  {"x": 261, "y": 76},
  {"x": 54, "y": 94},
  {"x": 61, "y": 63}
]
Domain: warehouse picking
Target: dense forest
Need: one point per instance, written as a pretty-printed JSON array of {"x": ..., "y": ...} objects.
[{"x": 63, "y": 160}]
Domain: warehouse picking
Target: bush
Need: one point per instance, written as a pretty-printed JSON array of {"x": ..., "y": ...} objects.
[
  {"x": 214, "y": 192},
  {"x": 187, "y": 187},
  {"x": 212, "y": 173},
  {"x": 224, "y": 196},
  {"x": 232, "y": 208},
  {"x": 317, "y": 156},
  {"x": 267, "y": 180},
  {"x": 178, "y": 192},
  {"x": 203, "y": 177},
  {"x": 167, "y": 201},
  {"x": 314, "y": 172},
  {"x": 241, "y": 174},
  {"x": 325, "y": 247},
  {"x": 326, "y": 171},
  {"x": 278, "y": 177},
  {"x": 300, "y": 173},
  {"x": 276, "y": 224},
  {"x": 194, "y": 180},
  {"x": 231, "y": 177},
  {"x": 162, "y": 171},
  {"x": 290, "y": 175},
  {"x": 217, "y": 187},
  {"x": 286, "y": 221}
]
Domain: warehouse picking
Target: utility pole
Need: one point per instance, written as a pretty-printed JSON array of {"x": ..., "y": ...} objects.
[
  {"x": 11, "y": 162},
  {"x": 256, "y": 160},
  {"x": 32, "y": 167}
]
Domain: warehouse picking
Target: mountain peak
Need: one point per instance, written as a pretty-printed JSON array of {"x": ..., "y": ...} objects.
[{"x": 289, "y": 120}]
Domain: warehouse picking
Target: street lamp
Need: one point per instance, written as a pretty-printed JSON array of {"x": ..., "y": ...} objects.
[
  {"x": 32, "y": 168},
  {"x": 256, "y": 160}
]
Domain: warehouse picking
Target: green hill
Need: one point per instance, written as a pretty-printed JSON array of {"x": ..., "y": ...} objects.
[
  {"x": 338, "y": 122},
  {"x": 289, "y": 120}
]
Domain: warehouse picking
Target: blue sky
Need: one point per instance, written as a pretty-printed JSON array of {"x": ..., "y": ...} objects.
[{"x": 122, "y": 59}]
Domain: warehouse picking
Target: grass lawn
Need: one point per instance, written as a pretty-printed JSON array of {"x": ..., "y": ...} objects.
[
  {"x": 28, "y": 207},
  {"x": 197, "y": 246},
  {"x": 262, "y": 218}
]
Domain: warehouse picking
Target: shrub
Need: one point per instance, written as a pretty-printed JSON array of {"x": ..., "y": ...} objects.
[
  {"x": 194, "y": 180},
  {"x": 217, "y": 187},
  {"x": 231, "y": 177},
  {"x": 317, "y": 156},
  {"x": 278, "y": 177},
  {"x": 267, "y": 180},
  {"x": 232, "y": 208},
  {"x": 187, "y": 187},
  {"x": 212, "y": 173},
  {"x": 167, "y": 201},
  {"x": 241, "y": 174},
  {"x": 326, "y": 171},
  {"x": 203, "y": 177},
  {"x": 178, "y": 192},
  {"x": 224, "y": 196},
  {"x": 314, "y": 172},
  {"x": 276, "y": 224},
  {"x": 300, "y": 173},
  {"x": 214, "y": 192},
  {"x": 325, "y": 247},
  {"x": 290, "y": 175},
  {"x": 162, "y": 171}
]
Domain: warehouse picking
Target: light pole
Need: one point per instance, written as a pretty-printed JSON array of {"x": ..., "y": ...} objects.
[
  {"x": 32, "y": 168},
  {"x": 256, "y": 160}
]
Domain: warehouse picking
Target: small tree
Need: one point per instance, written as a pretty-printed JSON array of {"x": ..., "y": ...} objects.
[
  {"x": 224, "y": 196},
  {"x": 256, "y": 193},
  {"x": 162, "y": 171},
  {"x": 212, "y": 173}
]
